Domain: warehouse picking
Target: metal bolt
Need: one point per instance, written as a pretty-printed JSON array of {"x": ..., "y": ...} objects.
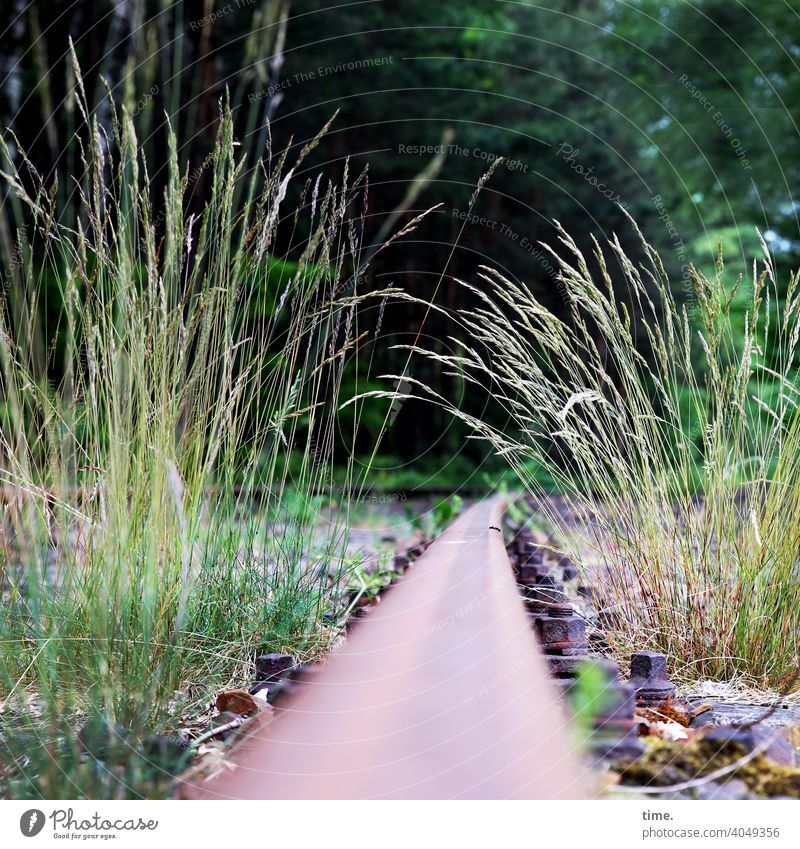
[
  {"x": 544, "y": 600},
  {"x": 562, "y": 636},
  {"x": 565, "y": 666},
  {"x": 528, "y": 574},
  {"x": 291, "y": 684},
  {"x": 532, "y": 557},
  {"x": 649, "y": 677},
  {"x": 568, "y": 567},
  {"x": 523, "y": 544},
  {"x": 547, "y": 581},
  {"x": 615, "y": 733},
  {"x": 273, "y": 667},
  {"x": 609, "y": 668}
]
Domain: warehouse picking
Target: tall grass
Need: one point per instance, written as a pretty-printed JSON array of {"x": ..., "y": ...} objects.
[
  {"x": 674, "y": 440},
  {"x": 158, "y": 528}
]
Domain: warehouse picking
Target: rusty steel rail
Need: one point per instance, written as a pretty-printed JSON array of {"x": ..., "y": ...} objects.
[{"x": 439, "y": 693}]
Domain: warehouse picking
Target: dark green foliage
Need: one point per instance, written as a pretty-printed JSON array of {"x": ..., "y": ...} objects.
[{"x": 715, "y": 87}]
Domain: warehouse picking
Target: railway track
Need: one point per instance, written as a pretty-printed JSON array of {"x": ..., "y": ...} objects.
[{"x": 440, "y": 692}]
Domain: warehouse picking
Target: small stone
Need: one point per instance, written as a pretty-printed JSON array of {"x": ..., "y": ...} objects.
[{"x": 261, "y": 696}]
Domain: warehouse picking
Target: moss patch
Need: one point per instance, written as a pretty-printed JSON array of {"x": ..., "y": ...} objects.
[{"x": 666, "y": 763}]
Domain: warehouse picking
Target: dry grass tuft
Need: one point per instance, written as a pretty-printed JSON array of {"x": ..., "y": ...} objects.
[{"x": 673, "y": 438}]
